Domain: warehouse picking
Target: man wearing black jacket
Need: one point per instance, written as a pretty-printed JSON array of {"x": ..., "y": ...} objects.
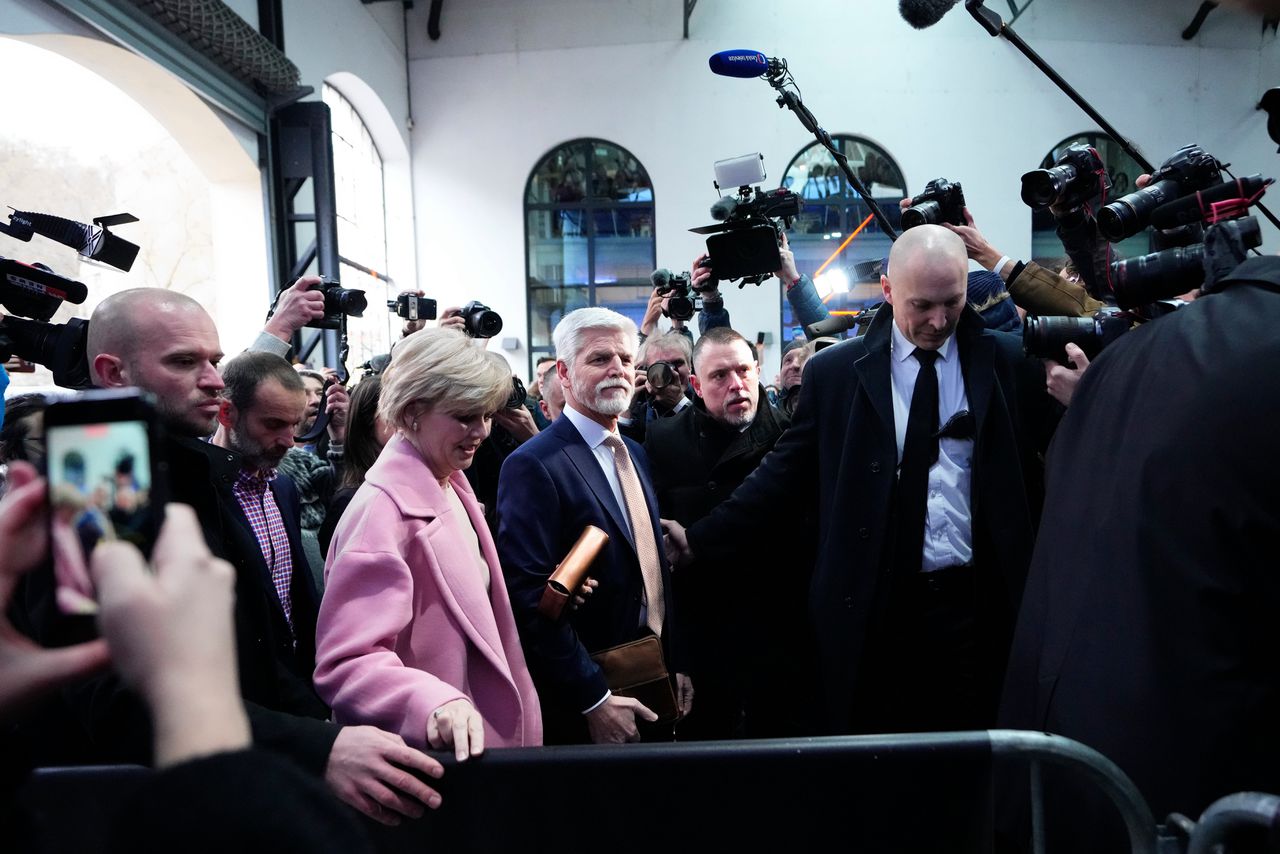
[
  {"x": 698, "y": 458},
  {"x": 166, "y": 344},
  {"x": 1148, "y": 628},
  {"x": 915, "y": 448}
]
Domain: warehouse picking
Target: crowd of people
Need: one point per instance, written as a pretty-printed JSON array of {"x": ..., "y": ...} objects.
[{"x": 872, "y": 548}]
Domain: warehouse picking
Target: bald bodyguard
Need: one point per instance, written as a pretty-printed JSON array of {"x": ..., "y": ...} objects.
[{"x": 913, "y": 448}]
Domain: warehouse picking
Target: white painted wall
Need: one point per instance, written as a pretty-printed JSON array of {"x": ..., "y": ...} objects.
[
  {"x": 360, "y": 48},
  {"x": 510, "y": 80}
]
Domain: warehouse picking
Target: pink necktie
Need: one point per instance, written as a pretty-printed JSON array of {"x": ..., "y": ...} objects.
[{"x": 642, "y": 530}]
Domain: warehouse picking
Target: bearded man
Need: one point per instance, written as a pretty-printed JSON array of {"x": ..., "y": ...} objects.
[{"x": 579, "y": 472}]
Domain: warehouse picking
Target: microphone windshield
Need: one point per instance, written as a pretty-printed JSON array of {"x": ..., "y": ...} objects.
[
  {"x": 724, "y": 208},
  {"x": 924, "y": 13},
  {"x": 739, "y": 63},
  {"x": 660, "y": 277}
]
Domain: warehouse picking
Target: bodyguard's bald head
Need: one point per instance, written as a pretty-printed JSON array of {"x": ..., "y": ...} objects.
[
  {"x": 127, "y": 323},
  {"x": 927, "y": 245},
  {"x": 926, "y": 284}
]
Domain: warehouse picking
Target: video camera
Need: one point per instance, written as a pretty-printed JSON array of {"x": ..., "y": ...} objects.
[
  {"x": 942, "y": 201},
  {"x": 683, "y": 301},
  {"x": 35, "y": 292},
  {"x": 744, "y": 242}
]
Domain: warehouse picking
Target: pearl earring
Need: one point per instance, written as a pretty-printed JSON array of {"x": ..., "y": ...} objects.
[{"x": 414, "y": 426}]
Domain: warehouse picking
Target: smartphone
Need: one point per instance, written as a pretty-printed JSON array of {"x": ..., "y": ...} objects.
[
  {"x": 108, "y": 480},
  {"x": 412, "y": 307}
]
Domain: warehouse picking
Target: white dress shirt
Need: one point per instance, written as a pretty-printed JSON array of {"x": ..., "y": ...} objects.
[
  {"x": 594, "y": 435},
  {"x": 948, "y": 528}
]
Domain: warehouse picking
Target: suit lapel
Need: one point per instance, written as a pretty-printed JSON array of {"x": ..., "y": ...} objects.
[
  {"x": 582, "y": 459},
  {"x": 977, "y": 363},
  {"x": 873, "y": 368}
]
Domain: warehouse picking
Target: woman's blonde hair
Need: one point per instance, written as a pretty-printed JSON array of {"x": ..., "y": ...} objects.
[{"x": 442, "y": 369}]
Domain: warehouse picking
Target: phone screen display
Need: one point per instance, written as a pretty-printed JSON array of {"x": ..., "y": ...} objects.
[{"x": 100, "y": 482}]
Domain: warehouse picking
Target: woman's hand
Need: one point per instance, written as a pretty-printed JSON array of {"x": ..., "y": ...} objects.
[{"x": 457, "y": 723}]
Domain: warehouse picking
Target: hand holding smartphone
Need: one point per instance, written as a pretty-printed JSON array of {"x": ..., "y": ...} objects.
[{"x": 107, "y": 481}]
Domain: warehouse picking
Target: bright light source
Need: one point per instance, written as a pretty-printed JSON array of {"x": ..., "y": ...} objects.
[{"x": 833, "y": 281}]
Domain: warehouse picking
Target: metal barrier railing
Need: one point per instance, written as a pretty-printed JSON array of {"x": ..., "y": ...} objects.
[
  {"x": 868, "y": 788},
  {"x": 1227, "y": 817},
  {"x": 1039, "y": 748}
]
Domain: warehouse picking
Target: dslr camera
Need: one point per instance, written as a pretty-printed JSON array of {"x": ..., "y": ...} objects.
[
  {"x": 743, "y": 244},
  {"x": 942, "y": 201},
  {"x": 480, "y": 321},
  {"x": 339, "y": 303},
  {"x": 1048, "y": 337},
  {"x": 413, "y": 307},
  {"x": 1076, "y": 177},
  {"x": 1190, "y": 170}
]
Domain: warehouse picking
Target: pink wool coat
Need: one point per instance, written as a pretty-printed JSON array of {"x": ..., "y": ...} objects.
[{"x": 406, "y": 625}]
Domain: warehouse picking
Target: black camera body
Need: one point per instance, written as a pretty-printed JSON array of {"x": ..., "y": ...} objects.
[
  {"x": 413, "y": 307},
  {"x": 1076, "y": 177},
  {"x": 744, "y": 244},
  {"x": 942, "y": 201},
  {"x": 480, "y": 321},
  {"x": 339, "y": 302},
  {"x": 1190, "y": 170},
  {"x": 519, "y": 394}
]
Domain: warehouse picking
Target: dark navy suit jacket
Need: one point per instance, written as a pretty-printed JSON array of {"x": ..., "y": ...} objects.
[{"x": 551, "y": 488}]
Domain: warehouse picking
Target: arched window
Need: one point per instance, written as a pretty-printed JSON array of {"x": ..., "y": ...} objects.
[
  {"x": 362, "y": 227},
  {"x": 1046, "y": 248},
  {"x": 588, "y": 235},
  {"x": 835, "y": 239}
]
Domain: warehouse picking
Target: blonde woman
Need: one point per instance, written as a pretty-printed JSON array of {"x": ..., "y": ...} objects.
[{"x": 415, "y": 633}]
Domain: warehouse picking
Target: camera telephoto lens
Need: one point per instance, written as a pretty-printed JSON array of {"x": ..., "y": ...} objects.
[
  {"x": 1128, "y": 215},
  {"x": 1157, "y": 276}
]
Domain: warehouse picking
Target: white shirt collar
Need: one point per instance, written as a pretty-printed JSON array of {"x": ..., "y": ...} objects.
[
  {"x": 901, "y": 349},
  {"x": 592, "y": 432}
]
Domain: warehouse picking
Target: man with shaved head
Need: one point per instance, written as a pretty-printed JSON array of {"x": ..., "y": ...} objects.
[
  {"x": 166, "y": 344},
  {"x": 912, "y": 447}
]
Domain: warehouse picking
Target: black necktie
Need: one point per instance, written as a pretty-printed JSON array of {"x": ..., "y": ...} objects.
[{"x": 919, "y": 451}]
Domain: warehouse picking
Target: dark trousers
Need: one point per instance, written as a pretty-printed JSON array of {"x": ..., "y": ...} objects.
[{"x": 930, "y": 663}]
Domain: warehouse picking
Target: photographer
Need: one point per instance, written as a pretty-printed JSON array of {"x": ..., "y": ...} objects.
[
  {"x": 666, "y": 362},
  {"x": 697, "y": 459}
]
